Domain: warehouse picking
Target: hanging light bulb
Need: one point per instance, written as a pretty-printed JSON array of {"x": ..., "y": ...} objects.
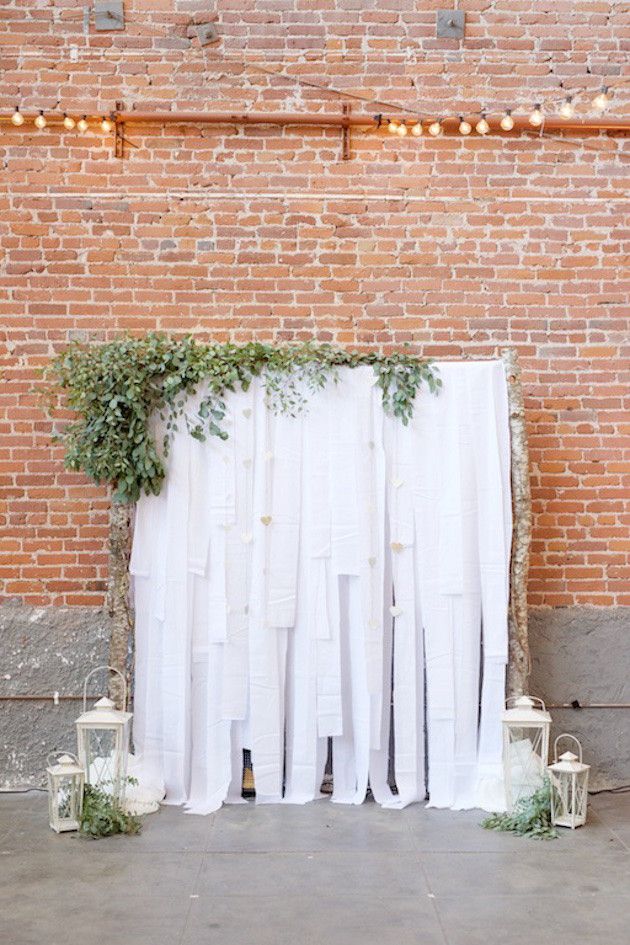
[
  {"x": 482, "y": 127},
  {"x": 68, "y": 122},
  {"x": 392, "y": 126},
  {"x": 107, "y": 124},
  {"x": 567, "y": 109},
  {"x": 601, "y": 100},
  {"x": 507, "y": 122},
  {"x": 536, "y": 117},
  {"x": 464, "y": 126},
  {"x": 435, "y": 128},
  {"x": 17, "y": 117},
  {"x": 402, "y": 129},
  {"x": 416, "y": 129},
  {"x": 82, "y": 125},
  {"x": 40, "y": 121}
]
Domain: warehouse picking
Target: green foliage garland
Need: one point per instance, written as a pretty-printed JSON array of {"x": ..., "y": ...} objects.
[
  {"x": 114, "y": 389},
  {"x": 531, "y": 816},
  {"x": 103, "y": 815}
]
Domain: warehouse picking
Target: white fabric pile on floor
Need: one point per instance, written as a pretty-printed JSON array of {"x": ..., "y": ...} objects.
[{"x": 308, "y": 576}]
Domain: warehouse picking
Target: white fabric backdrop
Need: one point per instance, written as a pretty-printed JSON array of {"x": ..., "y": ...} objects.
[{"x": 289, "y": 578}]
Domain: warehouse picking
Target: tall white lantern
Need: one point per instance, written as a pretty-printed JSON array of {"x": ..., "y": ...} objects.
[
  {"x": 66, "y": 778},
  {"x": 526, "y": 725},
  {"x": 568, "y": 777},
  {"x": 103, "y": 741}
]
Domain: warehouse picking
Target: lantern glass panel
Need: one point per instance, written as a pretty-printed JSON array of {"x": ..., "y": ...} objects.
[
  {"x": 526, "y": 759},
  {"x": 102, "y": 756}
]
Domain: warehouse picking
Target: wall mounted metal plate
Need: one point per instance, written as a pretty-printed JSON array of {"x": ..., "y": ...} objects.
[
  {"x": 109, "y": 15},
  {"x": 207, "y": 33},
  {"x": 450, "y": 24}
]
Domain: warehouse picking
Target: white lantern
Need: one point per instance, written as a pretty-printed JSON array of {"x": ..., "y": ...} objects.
[
  {"x": 569, "y": 786},
  {"x": 66, "y": 778},
  {"x": 525, "y": 747},
  {"x": 103, "y": 741}
]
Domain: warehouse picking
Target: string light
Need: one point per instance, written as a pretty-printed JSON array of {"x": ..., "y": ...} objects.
[
  {"x": 507, "y": 122},
  {"x": 402, "y": 128},
  {"x": 482, "y": 127}
]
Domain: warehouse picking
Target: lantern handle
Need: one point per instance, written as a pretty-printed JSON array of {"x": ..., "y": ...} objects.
[
  {"x": 573, "y": 739},
  {"x": 59, "y": 753},
  {"x": 529, "y": 696},
  {"x": 112, "y": 669}
]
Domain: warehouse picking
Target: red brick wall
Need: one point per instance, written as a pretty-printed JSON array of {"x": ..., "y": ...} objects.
[{"x": 459, "y": 247}]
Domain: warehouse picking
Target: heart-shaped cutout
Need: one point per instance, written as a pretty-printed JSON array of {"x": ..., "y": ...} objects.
[
  {"x": 247, "y": 538},
  {"x": 397, "y": 483},
  {"x": 395, "y": 611},
  {"x": 247, "y": 412},
  {"x": 397, "y": 547},
  {"x": 371, "y": 562},
  {"x": 265, "y": 519}
]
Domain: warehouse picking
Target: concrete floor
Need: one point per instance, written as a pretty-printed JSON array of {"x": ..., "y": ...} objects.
[{"x": 315, "y": 874}]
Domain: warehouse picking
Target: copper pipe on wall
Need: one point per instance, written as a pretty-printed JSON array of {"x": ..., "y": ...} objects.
[
  {"x": 450, "y": 125},
  {"x": 51, "y": 697}
]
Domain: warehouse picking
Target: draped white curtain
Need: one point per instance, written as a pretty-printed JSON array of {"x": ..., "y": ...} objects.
[{"x": 313, "y": 576}]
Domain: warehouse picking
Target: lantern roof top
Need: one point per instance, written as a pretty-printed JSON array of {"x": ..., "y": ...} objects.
[
  {"x": 104, "y": 713},
  {"x": 66, "y": 765},
  {"x": 570, "y": 763},
  {"x": 525, "y": 712}
]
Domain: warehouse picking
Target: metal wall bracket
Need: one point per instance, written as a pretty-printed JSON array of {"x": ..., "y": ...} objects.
[
  {"x": 450, "y": 24},
  {"x": 119, "y": 132},
  {"x": 345, "y": 132},
  {"x": 109, "y": 15}
]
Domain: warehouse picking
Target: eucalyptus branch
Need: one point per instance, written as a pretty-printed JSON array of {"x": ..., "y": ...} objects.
[{"x": 114, "y": 389}]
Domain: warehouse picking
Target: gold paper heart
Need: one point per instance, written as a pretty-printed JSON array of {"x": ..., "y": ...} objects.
[
  {"x": 397, "y": 547},
  {"x": 265, "y": 519}
]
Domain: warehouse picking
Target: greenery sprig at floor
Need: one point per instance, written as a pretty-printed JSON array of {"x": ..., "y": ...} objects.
[
  {"x": 531, "y": 816},
  {"x": 116, "y": 387},
  {"x": 103, "y": 815}
]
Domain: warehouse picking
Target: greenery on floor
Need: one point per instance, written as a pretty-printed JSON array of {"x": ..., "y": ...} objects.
[
  {"x": 117, "y": 388},
  {"x": 103, "y": 815},
  {"x": 531, "y": 816}
]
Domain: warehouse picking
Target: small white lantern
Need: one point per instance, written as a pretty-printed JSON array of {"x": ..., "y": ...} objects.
[
  {"x": 103, "y": 741},
  {"x": 66, "y": 778},
  {"x": 569, "y": 786},
  {"x": 525, "y": 747}
]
